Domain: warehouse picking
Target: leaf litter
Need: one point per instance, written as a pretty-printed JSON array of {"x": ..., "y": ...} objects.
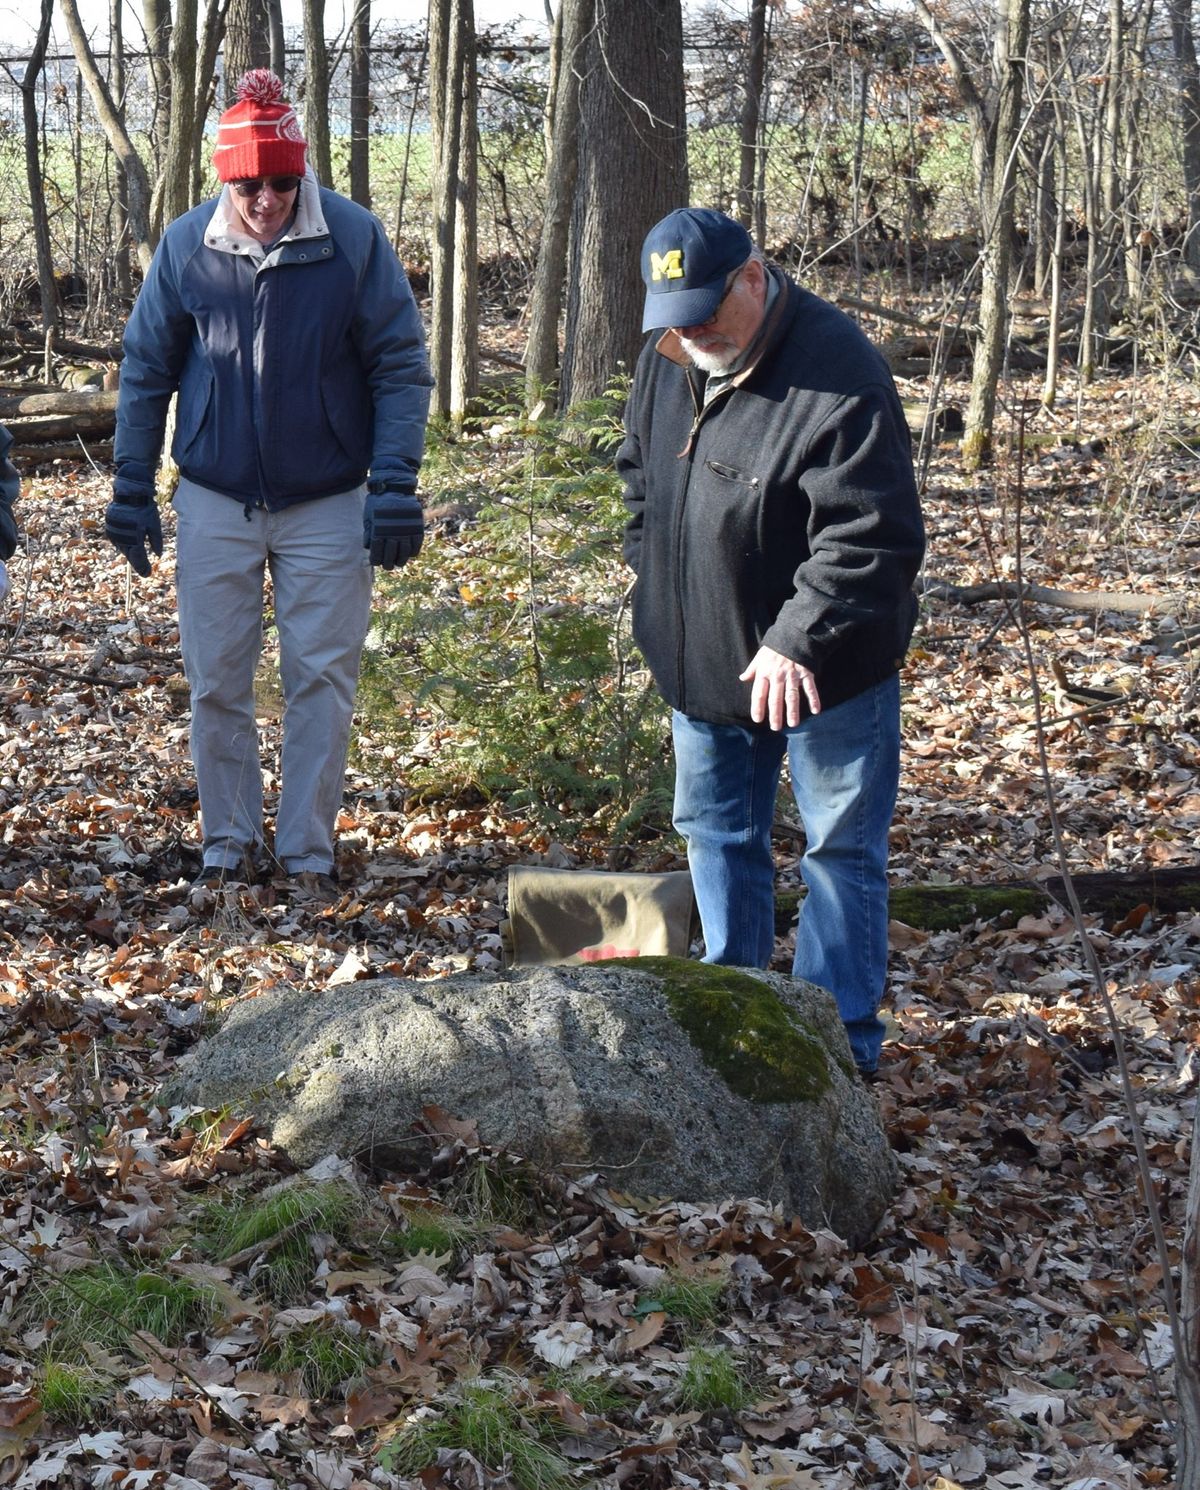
[{"x": 1004, "y": 1330}]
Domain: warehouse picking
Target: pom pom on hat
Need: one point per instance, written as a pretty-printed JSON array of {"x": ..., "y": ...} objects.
[
  {"x": 260, "y": 134},
  {"x": 260, "y": 85}
]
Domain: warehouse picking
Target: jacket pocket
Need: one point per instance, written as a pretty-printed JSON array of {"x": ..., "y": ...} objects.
[
  {"x": 731, "y": 473},
  {"x": 194, "y": 417},
  {"x": 348, "y": 413}
]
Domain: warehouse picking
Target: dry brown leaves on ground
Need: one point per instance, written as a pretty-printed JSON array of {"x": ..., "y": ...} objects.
[{"x": 1005, "y": 1330}]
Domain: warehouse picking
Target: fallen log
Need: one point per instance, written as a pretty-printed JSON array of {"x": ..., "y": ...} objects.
[
  {"x": 35, "y": 341},
  {"x": 891, "y": 313},
  {"x": 66, "y": 401},
  {"x": 33, "y": 456},
  {"x": 1114, "y": 897},
  {"x": 43, "y": 428},
  {"x": 1089, "y": 602}
]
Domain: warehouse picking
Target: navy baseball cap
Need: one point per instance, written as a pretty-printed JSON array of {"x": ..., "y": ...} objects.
[{"x": 686, "y": 260}]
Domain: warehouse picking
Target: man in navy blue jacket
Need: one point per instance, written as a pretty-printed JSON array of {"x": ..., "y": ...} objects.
[
  {"x": 281, "y": 316},
  {"x": 775, "y": 532}
]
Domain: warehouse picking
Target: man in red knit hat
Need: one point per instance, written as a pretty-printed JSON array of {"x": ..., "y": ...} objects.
[{"x": 281, "y": 316}]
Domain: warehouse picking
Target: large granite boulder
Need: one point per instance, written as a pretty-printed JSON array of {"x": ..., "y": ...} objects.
[{"x": 672, "y": 1077}]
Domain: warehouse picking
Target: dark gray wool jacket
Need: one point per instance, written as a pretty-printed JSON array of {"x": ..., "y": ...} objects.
[{"x": 784, "y": 512}]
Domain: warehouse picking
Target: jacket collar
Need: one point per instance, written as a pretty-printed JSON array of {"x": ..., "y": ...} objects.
[{"x": 225, "y": 233}]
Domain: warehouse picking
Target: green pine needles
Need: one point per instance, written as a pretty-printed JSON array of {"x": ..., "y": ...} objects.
[{"x": 503, "y": 661}]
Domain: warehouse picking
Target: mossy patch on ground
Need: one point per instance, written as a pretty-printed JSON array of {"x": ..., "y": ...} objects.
[
  {"x": 742, "y": 1029},
  {"x": 949, "y": 907},
  {"x": 936, "y": 907}
]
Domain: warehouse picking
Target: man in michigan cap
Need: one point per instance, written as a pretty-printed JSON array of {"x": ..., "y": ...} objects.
[
  {"x": 775, "y": 532},
  {"x": 282, "y": 317}
]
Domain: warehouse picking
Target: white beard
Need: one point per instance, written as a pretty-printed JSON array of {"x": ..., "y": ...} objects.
[{"x": 709, "y": 362}]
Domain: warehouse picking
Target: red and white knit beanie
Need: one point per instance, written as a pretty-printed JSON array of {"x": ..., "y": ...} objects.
[{"x": 259, "y": 135}]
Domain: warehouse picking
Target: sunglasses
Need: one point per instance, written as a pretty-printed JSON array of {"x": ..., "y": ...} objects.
[{"x": 279, "y": 184}]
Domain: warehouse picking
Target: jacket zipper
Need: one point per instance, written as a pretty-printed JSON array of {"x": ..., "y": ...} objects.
[{"x": 688, "y": 453}]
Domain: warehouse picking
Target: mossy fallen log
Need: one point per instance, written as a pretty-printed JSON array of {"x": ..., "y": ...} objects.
[{"x": 1111, "y": 896}]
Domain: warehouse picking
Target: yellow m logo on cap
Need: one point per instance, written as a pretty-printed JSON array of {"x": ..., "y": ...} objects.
[{"x": 667, "y": 266}]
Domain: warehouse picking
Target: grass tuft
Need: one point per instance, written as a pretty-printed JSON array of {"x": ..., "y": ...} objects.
[
  {"x": 712, "y": 1380},
  {"x": 489, "y": 1194},
  {"x": 599, "y": 1396},
  {"x": 323, "y": 1354},
  {"x": 498, "y": 1422},
  {"x": 431, "y": 1232},
  {"x": 105, "y": 1304},
  {"x": 280, "y": 1223},
  {"x": 72, "y": 1394},
  {"x": 693, "y": 1301}
]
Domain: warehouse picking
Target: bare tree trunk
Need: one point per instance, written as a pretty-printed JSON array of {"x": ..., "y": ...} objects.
[
  {"x": 211, "y": 36},
  {"x": 1054, "y": 338},
  {"x": 863, "y": 71},
  {"x": 464, "y": 355},
  {"x": 1011, "y": 43},
  {"x": 156, "y": 17},
  {"x": 632, "y": 171},
  {"x": 141, "y": 231},
  {"x": 120, "y": 212},
  {"x": 553, "y": 76},
  {"x": 1089, "y": 151},
  {"x": 751, "y": 126},
  {"x": 1044, "y": 215},
  {"x": 176, "y": 180},
  {"x": 445, "y": 117},
  {"x": 316, "y": 90},
  {"x": 247, "y": 42},
  {"x": 275, "y": 31},
  {"x": 562, "y": 160},
  {"x": 360, "y": 104},
  {"x": 33, "y": 171},
  {"x": 1134, "y": 136},
  {"x": 1183, "y": 39},
  {"x": 1103, "y": 287}
]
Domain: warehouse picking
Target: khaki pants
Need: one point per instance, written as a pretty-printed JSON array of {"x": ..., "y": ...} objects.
[{"x": 321, "y": 575}]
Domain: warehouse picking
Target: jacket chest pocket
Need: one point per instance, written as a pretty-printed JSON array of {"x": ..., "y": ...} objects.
[
  {"x": 730, "y": 473},
  {"x": 724, "y": 509}
]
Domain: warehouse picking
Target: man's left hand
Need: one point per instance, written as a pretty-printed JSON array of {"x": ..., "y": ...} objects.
[
  {"x": 777, "y": 684},
  {"x": 393, "y": 526}
]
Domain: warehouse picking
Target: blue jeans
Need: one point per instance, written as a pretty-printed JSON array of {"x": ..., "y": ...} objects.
[{"x": 845, "y": 766}]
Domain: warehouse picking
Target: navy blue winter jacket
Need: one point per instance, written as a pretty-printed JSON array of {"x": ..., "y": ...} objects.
[
  {"x": 784, "y": 512},
  {"x": 298, "y": 374}
]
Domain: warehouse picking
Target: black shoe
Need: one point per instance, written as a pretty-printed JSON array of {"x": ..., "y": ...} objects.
[{"x": 224, "y": 876}]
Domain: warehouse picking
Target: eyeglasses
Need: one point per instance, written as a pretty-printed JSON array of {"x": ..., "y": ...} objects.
[
  {"x": 729, "y": 284},
  {"x": 279, "y": 184}
]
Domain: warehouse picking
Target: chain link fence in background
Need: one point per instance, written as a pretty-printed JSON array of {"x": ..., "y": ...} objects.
[{"x": 862, "y": 158}]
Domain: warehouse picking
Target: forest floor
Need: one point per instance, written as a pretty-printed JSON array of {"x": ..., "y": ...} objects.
[{"x": 1008, "y": 1326}]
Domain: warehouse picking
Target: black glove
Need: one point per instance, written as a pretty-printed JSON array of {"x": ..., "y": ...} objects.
[
  {"x": 129, "y": 526},
  {"x": 8, "y": 532},
  {"x": 393, "y": 525}
]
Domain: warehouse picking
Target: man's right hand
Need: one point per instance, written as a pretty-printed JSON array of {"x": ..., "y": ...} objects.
[{"x": 130, "y": 526}]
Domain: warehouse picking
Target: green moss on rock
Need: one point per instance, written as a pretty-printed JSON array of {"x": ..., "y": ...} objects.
[{"x": 741, "y": 1028}]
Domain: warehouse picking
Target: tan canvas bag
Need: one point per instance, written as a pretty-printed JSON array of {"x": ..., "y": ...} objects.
[{"x": 588, "y": 915}]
